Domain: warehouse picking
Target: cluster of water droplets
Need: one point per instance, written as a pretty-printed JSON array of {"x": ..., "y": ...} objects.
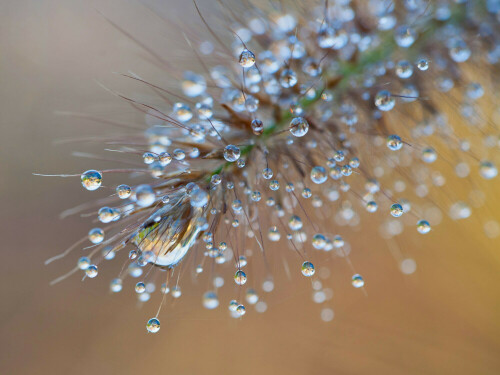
[{"x": 321, "y": 122}]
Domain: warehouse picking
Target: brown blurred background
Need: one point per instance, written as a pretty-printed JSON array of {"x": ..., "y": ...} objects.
[{"x": 443, "y": 319}]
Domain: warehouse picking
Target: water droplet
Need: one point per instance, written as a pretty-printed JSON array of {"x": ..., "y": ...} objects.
[
  {"x": 145, "y": 195},
  {"x": 116, "y": 285},
  {"x": 318, "y": 175},
  {"x": 299, "y": 127},
  {"x": 241, "y": 310},
  {"x": 148, "y": 157},
  {"x": 123, "y": 191},
  {"x": 295, "y": 223},
  {"x": 164, "y": 158},
  {"x": 96, "y": 235},
  {"x": 240, "y": 277},
  {"x": 231, "y": 153},
  {"x": 307, "y": 269},
  {"x": 404, "y": 69},
  {"x": 251, "y": 296},
  {"x": 396, "y": 210},
  {"x": 288, "y": 78},
  {"x": 233, "y": 305},
  {"x": 404, "y": 36},
  {"x": 105, "y": 215},
  {"x": 459, "y": 51},
  {"x": 91, "y": 179},
  {"x": 176, "y": 292},
  {"x": 488, "y": 170},
  {"x": 140, "y": 287},
  {"x": 247, "y": 58},
  {"x": 394, "y": 142},
  {"x": 371, "y": 206},
  {"x": 91, "y": 271},
  {"x": 384, "y": 101},
  {"x": 423, "y": 226},
  {"x": 210, "y": 300},
  {"x": 83, "y": 263},
  {"x": 257, "y": 127},
  {"x": 153, "y": 325},
  {"x": 429, "y": 155},
  {"x": 357, "y": 281},
  {"x": 306, "y": 193},
  {"x": 423, "y": 64}
]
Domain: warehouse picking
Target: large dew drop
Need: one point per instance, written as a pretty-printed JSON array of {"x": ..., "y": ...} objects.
[
  {"x": 299, "y": 127},
  {"x": 231, "y": 153}
]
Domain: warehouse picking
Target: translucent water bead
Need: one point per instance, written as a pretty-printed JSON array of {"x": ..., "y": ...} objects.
[
  {"x": 231, "y": 153},
  {"x": 153, "y": 325},
  {"x": 423, "y": 64},
  {"x": 404, "y": 69},
  {"x": 240, "y": 277},
  {"x": 210, "y": 300},
  {"x": 91, "y": 180},
  {"x": 308, "y": 269},
  {"x": 396, "y": 210},
  {"x": 488, "y": 170},
  {"x": 318, "y": 175},
  {"x": 394, "y": 142},
  {"x": 140, "y": 287},
  {"x": 123, "y": 191},
  {"x": 384, "y": 101},
  {"x": 247, "y": 58},
  {"x": 241, "y": 310},
  {"x": 299, "y": 127},
  {"x": 91, "y": 271},
  {"x": 357, "y": 281},
  {"x": 257, "y": 127},
  {"x": 145, "y": 195},
  {"x": 83, "y": 263},
  {"x": 404, "y": 36},
  {"x": 423, "y": 226},
  {"x": 96, "y": 235}
]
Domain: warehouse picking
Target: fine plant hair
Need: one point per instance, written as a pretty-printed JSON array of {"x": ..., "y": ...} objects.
[{"x": 306, "y": 124}]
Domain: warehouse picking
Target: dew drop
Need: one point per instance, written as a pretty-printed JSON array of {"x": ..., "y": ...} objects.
[
  {"x": 488, "y": 170},
  {"x": 247, "y": 58},
  {"x": 423, "y": 226},
  {"x": 140, "y": 287},
  {"x": 240, "y": 278},
  {"x": 231, "y": 153},
  {"x": 83, "y": 263},
  {"x": 153, "y": 325},
  {"x": 299, "y": 127},
  {"x": 91, "y": 271},
  {"x": 404, "y": 36},
  {"x": 96, "y": 235},
  {"x": 241, "y": 310},
  {"x": 394, "y": 142},
  {"x": 396, "y": 210},
  {"x": 357, "y": 281},
  {"x": 116, "y": 285},
  {"x": 210, "y": 300},
  {"x": 307, "y": 269},
  {"x": 91, "y": 180},
  {"x": 318, "y": 175},
  {"x": 384, "y": 101},
  {"x": 145, "y": 195},
  {"x": 257, "y": 127},
  {"x": 123, "y": 191}
]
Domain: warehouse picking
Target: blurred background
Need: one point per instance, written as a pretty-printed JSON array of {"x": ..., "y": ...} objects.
[{"x": 444, "y": 318}]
